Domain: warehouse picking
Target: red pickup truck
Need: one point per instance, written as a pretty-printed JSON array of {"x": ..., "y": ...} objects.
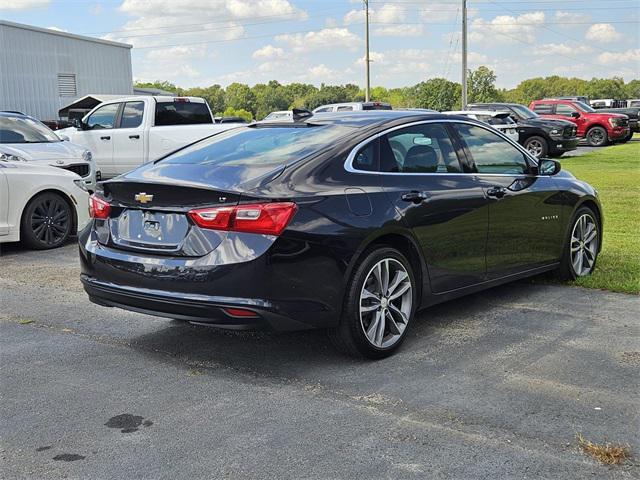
[{"x": 597, "y": 128}]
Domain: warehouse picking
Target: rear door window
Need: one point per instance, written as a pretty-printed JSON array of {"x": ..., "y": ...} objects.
[
  {"x": 132, "y": 115},
  {"x": 490, "y": 152},
  {"x": 423, "y": 148},
  {"x": 543, "y": 108},
  {"x": 182, "y": 113}
]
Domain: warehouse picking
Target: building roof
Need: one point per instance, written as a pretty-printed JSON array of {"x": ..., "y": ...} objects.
[
  {"x": 152, "y": 92},
  {"x": 64, "y": 34}
]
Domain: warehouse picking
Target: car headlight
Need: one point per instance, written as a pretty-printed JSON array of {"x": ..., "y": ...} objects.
[
  {"x": 86, "y": 156},
  {"x": 615, "y": 122},
  {"x": 555, "y": 133},
  {"x": 80, "y": 184},
  {"x": 7, "y": 157}
]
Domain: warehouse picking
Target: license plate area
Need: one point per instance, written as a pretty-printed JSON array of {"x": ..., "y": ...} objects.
[{"x": 149, "y": 229}]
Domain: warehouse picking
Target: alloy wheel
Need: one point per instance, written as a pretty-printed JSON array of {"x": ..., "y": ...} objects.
[
  {"x": 50, "y": 221},
  {"x": 535, "y": 148},
  {"x": 584, "y": 245},
  {"x": 385, "y": 303},
  {"x": 596, "y": 137}
]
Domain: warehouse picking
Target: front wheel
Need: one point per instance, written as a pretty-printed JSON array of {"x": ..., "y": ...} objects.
[
  {"x": 581, "y": 247},
  {"x": 536, "y": 146},
  {"x": 597, "y": 137},
  {"x": 47, "y": 221},
  {"x": 380, "y": 303}
]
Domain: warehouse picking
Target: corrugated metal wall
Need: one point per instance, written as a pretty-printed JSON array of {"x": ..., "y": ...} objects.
[{"x": 30, "y": 62}]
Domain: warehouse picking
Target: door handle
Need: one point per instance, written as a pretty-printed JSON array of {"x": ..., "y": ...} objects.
[
  {"x": 105, "y": 138},
  {"x": 497, "y": 192},
  {"x": 415, "y": 197},
  {"x": 134, "y": 137}
]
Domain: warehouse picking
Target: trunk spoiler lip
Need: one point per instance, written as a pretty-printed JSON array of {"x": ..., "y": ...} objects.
[{"x": 239, "y": 189}]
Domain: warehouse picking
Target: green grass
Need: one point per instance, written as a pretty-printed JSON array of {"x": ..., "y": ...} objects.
[{"x": 615, "y": 172}]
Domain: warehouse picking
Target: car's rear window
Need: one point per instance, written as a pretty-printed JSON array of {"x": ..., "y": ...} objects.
[
  {"x": 182, "y": 113},
  {"x": 262, "y": 146}
]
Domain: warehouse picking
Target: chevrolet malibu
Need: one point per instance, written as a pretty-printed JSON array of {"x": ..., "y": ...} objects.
[{"x": 349, "y": 222}]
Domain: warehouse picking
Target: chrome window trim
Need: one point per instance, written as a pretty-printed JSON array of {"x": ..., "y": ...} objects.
[{"x": 348, "y": 164}]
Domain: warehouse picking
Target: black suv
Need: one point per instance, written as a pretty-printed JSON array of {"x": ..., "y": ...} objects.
[{"x": 542, "y": 137}]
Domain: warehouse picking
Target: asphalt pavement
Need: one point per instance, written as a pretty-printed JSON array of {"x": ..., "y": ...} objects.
[{"x": 492, "y": 386}]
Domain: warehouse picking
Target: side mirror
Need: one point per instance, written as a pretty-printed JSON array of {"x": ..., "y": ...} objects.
[
  {"x": 514, "y": 118},
  {"x": 575, "y": 114},
  {"x": 79, "y": 124},
  {"x": 548, "y": 167}
]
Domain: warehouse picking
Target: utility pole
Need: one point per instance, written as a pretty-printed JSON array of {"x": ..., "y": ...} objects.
[
  {"x": 464, "y": 54},
  {"x": 367, "y": 91}
]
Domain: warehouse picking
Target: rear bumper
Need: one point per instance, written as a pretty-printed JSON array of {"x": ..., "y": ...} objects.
[
  {"x": 195, "y": 308},
  {"x": 290, "y": 292},
  {"x": 563, "y": 144}
]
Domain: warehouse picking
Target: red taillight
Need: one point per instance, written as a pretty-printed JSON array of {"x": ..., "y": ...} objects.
[
  {"x": 98, "y": 207},
  {"x": 240, "y": 312},
  {"x": 266, "y": 218}
]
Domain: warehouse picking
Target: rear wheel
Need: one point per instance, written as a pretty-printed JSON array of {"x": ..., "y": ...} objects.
[
  {"x": 536, "y": 146},
  {"x": 581, "y": 247},
  {"x": 46, "y": 222},
  {"x": 597, "y": 137},
  {"x": 379, "y": 305}
]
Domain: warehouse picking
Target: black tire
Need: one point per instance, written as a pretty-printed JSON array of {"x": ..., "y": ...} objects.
[
  {"x": 47, "y": 221},
  {"x": 350, "y": 337},
  {"x": 597, "y": 137},
  {"x": 627, "y": 138},
  {"x": 536, "y": 146},
  {"x": 566, "y": 270}
]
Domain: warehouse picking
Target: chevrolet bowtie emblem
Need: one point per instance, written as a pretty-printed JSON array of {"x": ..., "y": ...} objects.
[{"x": 143, "y": 197}]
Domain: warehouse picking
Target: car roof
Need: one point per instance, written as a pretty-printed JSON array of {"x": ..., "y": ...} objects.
[
  {"x": 491, "y": 113},
  {"x": 373, "y": 117}
]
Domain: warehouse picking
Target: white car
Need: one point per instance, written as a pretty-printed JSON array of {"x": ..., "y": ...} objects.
[
  {"x": 124, "y": 133},
  {"x": 40, "y": 205},
  {"x": 23, "y": 138},
  {"x": 501, "y": 121},
  {"x": 352, "y": 107},
  {"x": 281, "y": 115}
]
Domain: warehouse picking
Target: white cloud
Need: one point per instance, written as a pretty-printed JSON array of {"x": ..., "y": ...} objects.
[
  {"x": 621, "y": 58},
  {"x": 324, "y": 39},
  {"x": 23, "y": 4},
  {"x": 603, "y": 32},
  {"x": 571, "y": 17},
  {"x": 394, "y": 16},
  {"x": 560, "y": 49},
  {"x": 506, "y": 28},
  {"x": 268, "y": 51}
]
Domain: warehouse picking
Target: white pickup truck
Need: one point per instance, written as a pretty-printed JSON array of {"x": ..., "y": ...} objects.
[{"x": 126, "y": 132}]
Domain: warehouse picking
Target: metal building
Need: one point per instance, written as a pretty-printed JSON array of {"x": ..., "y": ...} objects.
[{"x": 42, "y": 70}]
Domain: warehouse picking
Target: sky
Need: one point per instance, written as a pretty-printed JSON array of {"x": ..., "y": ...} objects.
[{"x": 203, "y": 42}]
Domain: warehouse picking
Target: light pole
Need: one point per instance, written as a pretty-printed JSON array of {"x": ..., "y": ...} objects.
[
  {"x": 464, "y": 54},
  {"x": 367, "y": 91}
]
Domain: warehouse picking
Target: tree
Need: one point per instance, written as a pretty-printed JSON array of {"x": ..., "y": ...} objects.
[
  {"x": 232, "y": 112},
  {"x": 327, "y": 94},
  {"x": 214, "y": 95},
  {"x": 437, "y": 93},
  {"x": 269, "y": 98},
  {"x": 162, "y": 85},
  {"x": 239, "y": 96},
  {"x": 481, "y": 86}
]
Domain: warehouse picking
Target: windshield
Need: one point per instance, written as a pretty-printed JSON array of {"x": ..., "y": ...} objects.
[
  {"x": 259, "y": 146},
  {"x": 25, "y": 130},
  {"x": 584, "y": 107},
  {"x": 524, "y": 112}
]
